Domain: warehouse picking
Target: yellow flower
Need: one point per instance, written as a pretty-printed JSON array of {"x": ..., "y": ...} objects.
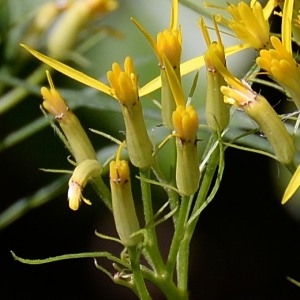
[
  {"x": 185, "y": 123},
  {"x": 79, "y": 143},
  {"x": 53, "y": 102},
  {"x": 124, "y": 86},
  {"x": 249, "y": 24},
  {"x": 280, "y": 64},
  {"x": 139, "y": 145},
  {"x": 169, "y": 46},
  {"x": 126, "y": 220},
  {"x": 217, "y": 112},
  {"x": 240, "y": 94},
  {"x": 169, "y": 41},
  {"x": 124, "y": 83}
]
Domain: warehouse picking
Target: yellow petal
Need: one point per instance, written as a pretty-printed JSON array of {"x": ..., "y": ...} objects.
[
  {"x": 174, "y": 83},
  {"x": 72, "y": 73},
  {"x": 151, "y": 86},
  {"x": 286, "y": 25},
  {"x": 188, "y": 67},
  {"x": 292, "y": 186},
  {"x": 174, "y": 15}
]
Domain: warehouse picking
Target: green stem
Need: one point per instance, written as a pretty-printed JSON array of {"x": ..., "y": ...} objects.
[
  {"x": 167, "y": 286},
  {"x": 183, "y": 263},
  {"x": 183, "y": 254},
  {"x": 138, "y": 278},
  {"x": 17, "y": 94},
  {"x": 151, "y": 248},
  {"x": 207, "y": 179},
  {"x": 172, "y": 195},
  {"x": 177, "y": 240}
]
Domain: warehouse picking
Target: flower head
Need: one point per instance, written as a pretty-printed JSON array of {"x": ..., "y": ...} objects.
[
  {"x": 78, "y": 141},
  {"x": 240, "y": 94},
  {"x": 249, "y": 24},
  {"x": 124, "y": 87},
  {"x": 216, "y": 110},
  {"x": 53, "y": 102},
  {"x": 282, "y": 67},
  {"x": 167, "y": 46},
  {"x": 169, "y": 41},
  {"x": 185, "y": 122},
  {"x": 124, "y": 84}
]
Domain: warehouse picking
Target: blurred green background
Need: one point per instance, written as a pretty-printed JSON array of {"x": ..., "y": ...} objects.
[{"x": 246, "y": 243}]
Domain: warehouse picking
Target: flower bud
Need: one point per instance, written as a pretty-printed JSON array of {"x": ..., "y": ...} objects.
[
  {"x": 282, "y": 67},
  {"x": 79, "y": 143},
  {"x": 240, "y": 94},
  {"x": 259, "y": 109},
  {"x": 216, "y": 110},
  {"x": 83, "y": 172},
  {"x": 185, "y": 121},
  {"x": 168, "y": 46}
]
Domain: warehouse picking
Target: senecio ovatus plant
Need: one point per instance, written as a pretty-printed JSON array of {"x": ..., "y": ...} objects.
[{"x": 194, "y": 176}]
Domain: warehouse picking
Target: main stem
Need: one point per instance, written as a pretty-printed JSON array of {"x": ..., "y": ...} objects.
[
  {"x": 183, "y": 254},
  {"x": 175, "y": 245},
  {"x": 138, "y": 278},
  {"x": 152, "y": 249}
]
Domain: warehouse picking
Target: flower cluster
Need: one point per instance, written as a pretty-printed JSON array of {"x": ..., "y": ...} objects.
[{"x": 191, "y": 172}]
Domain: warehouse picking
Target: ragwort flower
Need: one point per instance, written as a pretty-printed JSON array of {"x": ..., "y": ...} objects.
[
  {"x": 124, "y": 84},
  {"x": 87, "y": 165},
  {"x": 124, "y": 87},
  {"x": 241, "y": 95},
  {"x": 249, "y": 24},
  {"x": 216, "y": 110},
  {"x": 169, "y": 45},
  {"x": 79, "y": 143},
  {"x": 282, "y": 67},
  {"x": 185, "y": 123}
]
